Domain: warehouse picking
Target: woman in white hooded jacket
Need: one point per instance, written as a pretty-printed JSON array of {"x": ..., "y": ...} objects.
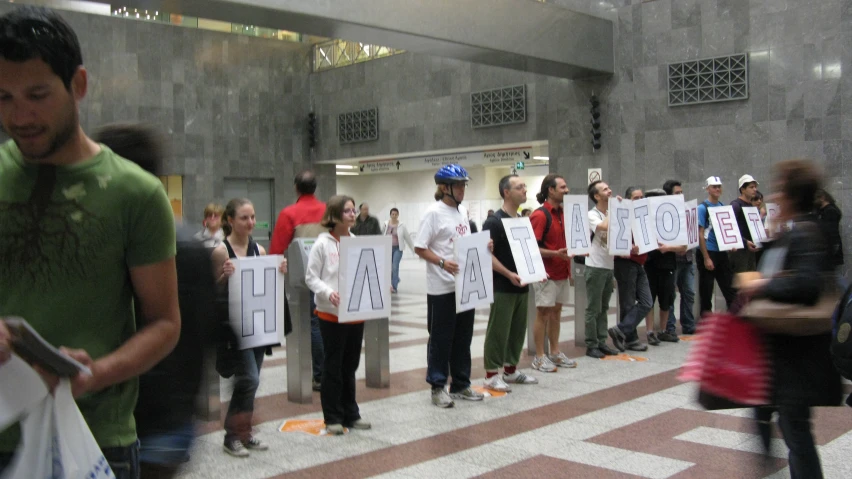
[
  {"x": 341, "y": 341},
  {"x": 400, "y": 239}
]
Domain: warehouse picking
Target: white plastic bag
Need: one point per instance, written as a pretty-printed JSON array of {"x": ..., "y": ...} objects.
[{"x": 56, "y": 441}]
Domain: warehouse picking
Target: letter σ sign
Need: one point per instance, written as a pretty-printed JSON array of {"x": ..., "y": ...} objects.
[
  {"x": 620, "y": 231},
  {"x": 364, "y": 278}
]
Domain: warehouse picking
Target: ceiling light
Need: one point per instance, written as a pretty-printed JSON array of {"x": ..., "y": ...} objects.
[
  {"x": 345, "y": 167},
  {"x": 347, "y": 173},
  {"x": 543, "y": 158}
]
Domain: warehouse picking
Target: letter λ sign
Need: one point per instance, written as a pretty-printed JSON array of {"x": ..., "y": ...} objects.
[
  {"x": 725, "y": 227},
  {"x": 364, "y": 278},
  {"x": 474, "y": 281},
  {"x": 525, "y": 250}
]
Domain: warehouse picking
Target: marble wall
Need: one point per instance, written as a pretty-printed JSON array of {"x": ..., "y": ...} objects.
[
  {"x": 800, "y": 104},
  {"x": 232, "y": 106}
]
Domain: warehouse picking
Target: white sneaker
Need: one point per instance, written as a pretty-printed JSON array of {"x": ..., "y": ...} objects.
[
  {"x": 543, "y": 364},
  {"x": 496, "y": 383},
  {"x": 563, "y": 361},
  {"x": 518, "y": 377}
]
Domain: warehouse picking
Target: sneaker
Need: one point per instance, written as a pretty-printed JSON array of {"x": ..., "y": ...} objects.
[
  {"x": 594, "y": 353},
  {"x": 636, "y": 346},
  {"x": 618, "y": 338},
  {"x": 334, "y": 429},
  {"x": 518, "y": 377},
  {"x": 653, "y": 340},
  {"x": 668, "y": 337},
  {"x": 236, "y": 448},
  {"x": 468, "y": 394},
  {"x": 316, "y": 385},
  {"x": 361, "y": 425},
  {"x": 543, "y": 364},
  {"x": 562, "y": 361},
  {"x": 440, "y": 398},
  {"x": 255, "y": 444},
  {"x": 607, "y": 350},
  {"x": 496, "y": 383}
]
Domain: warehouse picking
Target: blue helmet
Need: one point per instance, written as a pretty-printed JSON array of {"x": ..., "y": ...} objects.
[{"x": 451, "y": 174}]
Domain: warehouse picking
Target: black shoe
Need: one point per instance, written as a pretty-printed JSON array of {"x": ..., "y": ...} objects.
[
  {"x": 653, "y": 340},
  {"x": 668, "y": 337},
  {"x": 316, "y": 385},
  {"x": 688, "y": 332},
  {"x": 637, "y": 346},
  {"x": 607, "y": 350},
  {"x": 617, "y": 337},
  {"x": 594, "y": 353}
]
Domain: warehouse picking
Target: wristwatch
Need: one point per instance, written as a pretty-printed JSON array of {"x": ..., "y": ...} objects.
[{"x": 441, "y": 264}]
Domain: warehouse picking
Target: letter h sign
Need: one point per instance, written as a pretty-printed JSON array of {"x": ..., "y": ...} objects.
[{"x": 256, "y": 301}]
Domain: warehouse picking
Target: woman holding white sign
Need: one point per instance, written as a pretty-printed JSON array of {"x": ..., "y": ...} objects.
[
  {"x": 341, "y": 341},
  {"x": 238, "y": 223}
]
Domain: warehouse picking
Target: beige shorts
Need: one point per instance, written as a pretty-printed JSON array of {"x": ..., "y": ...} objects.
[{"x": 548, "y": 294}]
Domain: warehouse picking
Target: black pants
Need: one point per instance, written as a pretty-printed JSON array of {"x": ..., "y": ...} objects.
[
  {"x": 795, "y": 424},
  {"x": 450, "y": 334},
  {"x": 721, "y": 273},
  {"x": 342, "y": 353}
]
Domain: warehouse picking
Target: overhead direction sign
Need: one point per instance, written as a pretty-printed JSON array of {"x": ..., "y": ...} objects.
[{"x": 516, "y": 157}]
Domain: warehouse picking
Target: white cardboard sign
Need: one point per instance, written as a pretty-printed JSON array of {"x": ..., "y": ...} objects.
[
  {"x": 474, "y": 281},
  {"x": 365, "y": 267},
  {"x": 669, "y": 213},
  {"x": 577, "y": 237},
  {"x": 256, "y": 301},
  {"x": 525, "y": 250},
  {"x": 619, "y": 233},
  {"x": 642, "y": 225},
  {"x": 692, "y": 224},
  {"x": 725, "y": 227},
  {"x": 773, "y": 226},
  {"x": 755, "y": 225}
]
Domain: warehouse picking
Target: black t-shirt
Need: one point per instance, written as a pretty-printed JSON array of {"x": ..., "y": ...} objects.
[
  {"x": 659, "y": 260},
  {"x": 738, "y": 205},
  {"x": 503, "y": 253}
]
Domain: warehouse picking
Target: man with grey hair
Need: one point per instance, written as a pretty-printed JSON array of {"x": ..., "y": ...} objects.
[{"x": 365, "y": 223}]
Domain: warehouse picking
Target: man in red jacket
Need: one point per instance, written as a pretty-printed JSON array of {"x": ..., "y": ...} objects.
[{"x": 295, "y": 221}]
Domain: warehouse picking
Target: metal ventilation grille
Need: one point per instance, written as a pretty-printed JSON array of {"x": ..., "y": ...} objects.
[
  {"x": 358, "y": 126},
  {"x": 709, "y": 80},
  {"x": 501, "y": 106}
]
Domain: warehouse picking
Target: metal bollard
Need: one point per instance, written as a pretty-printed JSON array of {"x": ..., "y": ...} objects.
[
  {"x": 580, "y": 302},
  {"x": 377, "y": 353},
  {"x": 209, "y": 405},
  {"x": 531, "y": 315},
  {"x": 299, "y": 375}
]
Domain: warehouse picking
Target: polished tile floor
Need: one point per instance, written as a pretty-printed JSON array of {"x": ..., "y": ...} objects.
[{"x": 605, "y": 419}]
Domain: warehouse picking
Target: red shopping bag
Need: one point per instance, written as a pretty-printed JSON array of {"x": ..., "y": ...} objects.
[{"x": 729, "y": 362}]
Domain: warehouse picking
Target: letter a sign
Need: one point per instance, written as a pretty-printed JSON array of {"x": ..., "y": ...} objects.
[
  {"x": 474, "y": 281},
  {"x": 577, "y": 235},
  {"x": 256, "y": 301},
  {"x": 364, "y": 278},
  {"x": 524, "y": 248}
]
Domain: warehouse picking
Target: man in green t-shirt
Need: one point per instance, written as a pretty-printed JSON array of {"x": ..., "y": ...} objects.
[{"x": 84, "y": 231}]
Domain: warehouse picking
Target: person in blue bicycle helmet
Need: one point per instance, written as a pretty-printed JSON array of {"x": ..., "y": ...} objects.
[
  {"x": 450, "y": 175},
  {"x": 450, "y": 333}
]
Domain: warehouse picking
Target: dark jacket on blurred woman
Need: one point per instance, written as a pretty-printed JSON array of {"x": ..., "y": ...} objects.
[{"x": 803, "y": 372}]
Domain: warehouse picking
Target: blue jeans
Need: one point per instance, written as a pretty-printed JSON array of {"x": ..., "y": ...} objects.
[
  {"x": 124, "y": 461},
  {"x": 397, "y": 257},
  {"x": 685, "y": 278},
  {"x": 246, "y": 382},
  {"x": 448, "y": 350},
  {"x": 169, "y": 448},
  {"x": 317, "y": 357}
]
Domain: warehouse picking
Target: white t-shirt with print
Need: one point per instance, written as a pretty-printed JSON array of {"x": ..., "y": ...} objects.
[
  {"x": 439, "y": 229},
  {"x": 599, "y": 257}
]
